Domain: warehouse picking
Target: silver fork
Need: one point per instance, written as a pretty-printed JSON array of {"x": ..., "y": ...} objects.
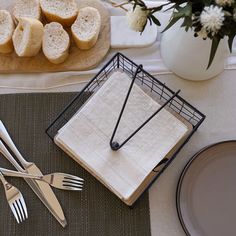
[
  {"x": 58, "y": 180},
  {"x": 15, "y": 200}
]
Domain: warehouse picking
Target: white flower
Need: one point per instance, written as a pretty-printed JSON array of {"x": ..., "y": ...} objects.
[
  {"x": 224, "y": 2},
  {"x": 212, "y": 18},
  {"x": 137, "y": 19}
]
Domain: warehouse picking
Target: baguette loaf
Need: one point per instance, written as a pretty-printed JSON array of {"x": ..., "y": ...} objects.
[
  {"x": 62, "y": 11},
  {"x": 86, "y": 27},
  {"x": 56, "y": 43},
  {"x": 6, "y": 31},
  {"x": 27, "y": 37},
  {"x": 27, "y": 8}
]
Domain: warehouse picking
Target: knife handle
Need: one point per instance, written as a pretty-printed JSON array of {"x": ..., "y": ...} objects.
[
  {"x": 9, "y": 157},
  {"x": 4, "y": 135}
]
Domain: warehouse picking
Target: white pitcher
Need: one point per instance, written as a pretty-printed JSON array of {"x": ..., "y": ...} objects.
[{"x": 188, "y": 56}]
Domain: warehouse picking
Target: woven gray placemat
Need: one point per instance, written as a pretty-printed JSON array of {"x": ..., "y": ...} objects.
[{"x": 94, "y": 211}]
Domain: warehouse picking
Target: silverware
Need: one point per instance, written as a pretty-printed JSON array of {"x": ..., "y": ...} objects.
[
  {"x": 58, "y": 180},
  {"x": 40, "y": 188},
  {"x": 15, "y": 200}
]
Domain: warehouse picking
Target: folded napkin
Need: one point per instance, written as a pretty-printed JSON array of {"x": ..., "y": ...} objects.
[{"x": 87, "y": 135}]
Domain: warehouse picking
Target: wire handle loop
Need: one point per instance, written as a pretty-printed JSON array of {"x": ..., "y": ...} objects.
[{"x": 114, "y": 144}]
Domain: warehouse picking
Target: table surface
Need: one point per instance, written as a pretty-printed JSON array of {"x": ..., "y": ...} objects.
[{"x": 215, "y": 98}]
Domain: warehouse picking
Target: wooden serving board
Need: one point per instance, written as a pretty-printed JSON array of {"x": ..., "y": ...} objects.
[{"x": 78, "y": 59}]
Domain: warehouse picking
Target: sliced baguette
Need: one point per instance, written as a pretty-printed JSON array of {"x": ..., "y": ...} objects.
[
  {"x": 86, "y": 27},
  {"x": 27, "y": 37},
  {"x": 61, "y": 11},
  {"x": 6, "y": 31},
  {"x": 27, "y": 8},
  {"x": 56, "y": 43}
]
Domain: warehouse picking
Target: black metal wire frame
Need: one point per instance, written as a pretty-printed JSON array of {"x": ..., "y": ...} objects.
[
  {"x": 152, "y": 86},
  {"x": 115, "y": 145}
]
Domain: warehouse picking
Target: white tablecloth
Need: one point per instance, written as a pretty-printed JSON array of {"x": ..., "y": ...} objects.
[{"x": 216, "y": 99}]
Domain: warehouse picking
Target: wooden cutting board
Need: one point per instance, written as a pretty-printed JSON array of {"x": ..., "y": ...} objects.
[{"x": 78, "y": 59}]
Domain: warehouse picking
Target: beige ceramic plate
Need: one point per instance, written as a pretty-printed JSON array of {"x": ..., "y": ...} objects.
[{"x": 206, "y": 193}]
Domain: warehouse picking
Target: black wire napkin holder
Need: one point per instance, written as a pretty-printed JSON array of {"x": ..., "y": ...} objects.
[{"x": 152, "y": 86}]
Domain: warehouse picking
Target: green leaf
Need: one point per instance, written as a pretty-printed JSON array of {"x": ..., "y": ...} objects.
[
  {"x": 230, "y": 42},
  {"x": 169, "y": 8},
  {"x": 207, "y": 2},
  {"x": 155, "y": 9},
  {"x": 182, "y": 12},
  {"x": 171, "y": 23},
  {"x": 155, "y": 20},
  {"x": 187, "y": 23},
  {"x": 150, "y": 20},
  {"x": 214, "y": 46}
]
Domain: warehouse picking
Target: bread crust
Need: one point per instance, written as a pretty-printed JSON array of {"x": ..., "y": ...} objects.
[
  {"x": 63, "y": 55},
  {"x": 35, "y": 35},
  {"x": 83, "y": 44},
  {"x": 51, "y": 17},
  {"x": 7, "y": 45},
  {"x": 67, "y": 22},
  {"x": 60, "y": 59},
  {"x": 17, "y": 14},
  {"x": 90, "y": 42}
]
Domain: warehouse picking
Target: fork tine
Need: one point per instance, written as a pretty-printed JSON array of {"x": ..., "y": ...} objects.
[
  {"x": 23, "y": 208},
  {"x": 72, "y": 177},
  {"x": 17, "y": 211},
  {"x": 73, "y": 186},
  {"x": 20, "y": 207},
  {"x": 72, "y": 183},
  {"x": 66, "y": 187},
  {"x": 14, "y": 213},
  {"x": 22, "y": 202}
]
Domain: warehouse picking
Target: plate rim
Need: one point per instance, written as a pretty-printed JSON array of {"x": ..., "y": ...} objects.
[{"x": 182, "y": 175}]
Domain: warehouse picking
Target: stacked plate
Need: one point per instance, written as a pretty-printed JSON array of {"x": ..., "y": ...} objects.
[{"x": 206, "y": 192}]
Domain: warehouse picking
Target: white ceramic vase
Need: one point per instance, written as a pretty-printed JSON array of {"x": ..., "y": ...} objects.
[{"x": 188, "y": 56}]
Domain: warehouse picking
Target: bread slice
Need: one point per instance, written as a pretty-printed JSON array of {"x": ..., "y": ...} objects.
[
  {"x": 86, "y": 27},
  {"x": 62, "y": 11},
  {"x": 6, "y": 31},
  {"x": 27, "y": 8},
  {"x": 56, "y": 43},
  {"x": 27, "y": 37}
]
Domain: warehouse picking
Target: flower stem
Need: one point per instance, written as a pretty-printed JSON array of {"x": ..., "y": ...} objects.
[{"x": 121, "y": 5}]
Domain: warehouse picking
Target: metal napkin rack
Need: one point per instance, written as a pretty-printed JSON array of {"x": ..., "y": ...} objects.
[{"x": 150, "y": 85}]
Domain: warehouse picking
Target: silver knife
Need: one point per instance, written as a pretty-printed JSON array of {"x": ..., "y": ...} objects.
[{"x": 41, "y": 189}]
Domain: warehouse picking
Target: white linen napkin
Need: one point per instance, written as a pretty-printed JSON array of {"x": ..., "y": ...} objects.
[{"x": 87, "y": 135}]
